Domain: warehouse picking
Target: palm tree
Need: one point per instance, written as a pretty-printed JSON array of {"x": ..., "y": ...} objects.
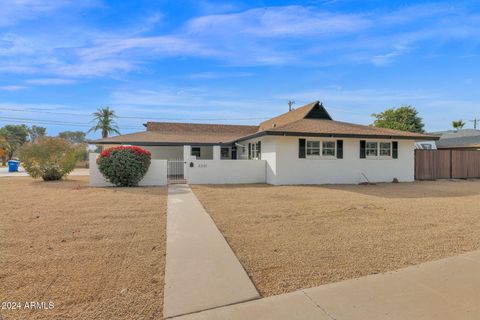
[
  {"x": 458, "y": 124},
  {"x": 105, "y": 119}
]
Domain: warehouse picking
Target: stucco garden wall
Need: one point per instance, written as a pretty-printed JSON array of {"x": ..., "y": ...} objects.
[
  {"x": 225, "y": 171},
  {"x": 156, "y": 174}
]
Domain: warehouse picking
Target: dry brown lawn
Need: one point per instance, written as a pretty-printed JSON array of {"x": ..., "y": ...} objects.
[
  {"x": 95, "y": 253},
  {"x": 292, "y": 237}
]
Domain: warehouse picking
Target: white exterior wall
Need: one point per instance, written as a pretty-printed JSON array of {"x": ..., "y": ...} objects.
[
  {"x": 270, "y": 156},
  {"x": 292, "y": 170},
  {"x": 226, "y": 171},
  {"x": 159, "y": 152},
  {"x": 280, "y": 164},
  {"x": 216, "y": 152},
  {"x": 155, "y": 176},
  {"x": 165, "y": 152}
]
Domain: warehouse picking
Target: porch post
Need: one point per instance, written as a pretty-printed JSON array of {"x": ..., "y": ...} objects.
[
  {"x": 187, "y": 152},
  {"x": 216, "y": 153}
]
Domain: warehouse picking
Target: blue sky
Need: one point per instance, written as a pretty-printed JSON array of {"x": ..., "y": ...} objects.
[{"x": 235, "y": 61}]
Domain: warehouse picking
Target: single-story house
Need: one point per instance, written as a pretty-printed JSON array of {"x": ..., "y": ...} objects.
[{"x": 301, "y": 146}]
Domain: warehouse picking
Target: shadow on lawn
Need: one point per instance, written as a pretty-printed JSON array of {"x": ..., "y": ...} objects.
[
  {"x": 418, "y": 189},
  {"x": 82, "y": 183}
]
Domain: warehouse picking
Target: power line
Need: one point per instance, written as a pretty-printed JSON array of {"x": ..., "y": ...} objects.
[
  {"x": 40, "y": 123},
  {"x": 127, "y": 117},
  {"x": 55, "y": 122}
]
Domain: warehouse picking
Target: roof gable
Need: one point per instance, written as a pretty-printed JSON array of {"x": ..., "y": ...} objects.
[
  {"x": 314, "y": 110},
  {"x": 318, "y": 112}
]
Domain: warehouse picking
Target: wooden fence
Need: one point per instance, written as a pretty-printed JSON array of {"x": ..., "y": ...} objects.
[{"x": 446, "y": 164}]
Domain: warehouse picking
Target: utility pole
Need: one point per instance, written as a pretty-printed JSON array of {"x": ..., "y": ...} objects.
[
  {"x": 290, "y": 103},
  {"x": 475, "y": 122}
]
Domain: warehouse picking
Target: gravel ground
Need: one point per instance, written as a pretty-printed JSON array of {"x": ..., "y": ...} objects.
[
  {"x": 95, "y": 253},
  {"x": 292, "y": 237}
]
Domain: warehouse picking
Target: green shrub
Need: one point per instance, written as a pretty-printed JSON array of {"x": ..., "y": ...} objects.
[
  {"x": 49, "y": 158},
  {"x": 124, "y": 166}
]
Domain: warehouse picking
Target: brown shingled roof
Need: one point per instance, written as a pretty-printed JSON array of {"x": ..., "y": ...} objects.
[
  {"x": 330, "y": 127},
  {"x": 179, "y": 133},
  {"x": 176, "y": 127},
  {"x": 311, "y": 119}
]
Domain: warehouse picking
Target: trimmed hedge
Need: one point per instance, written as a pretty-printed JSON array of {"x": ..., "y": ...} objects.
[{"x": 124, "y": 166}]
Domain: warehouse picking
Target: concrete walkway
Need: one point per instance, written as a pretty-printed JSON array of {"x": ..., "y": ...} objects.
[
  {"x": 440, "y": 290},
  {"x": 201, "y": 270}
]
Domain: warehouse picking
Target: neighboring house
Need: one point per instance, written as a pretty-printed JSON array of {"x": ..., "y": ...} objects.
[
  {"x": 462, "y": 139},
  {"x": 302, "y": 146}
]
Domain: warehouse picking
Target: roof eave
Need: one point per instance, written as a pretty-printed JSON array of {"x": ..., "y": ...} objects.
[
  {"x": 336, "y": 135},
  {"x": 458, "y": 146},
  {"x": 154, "y": 143}
]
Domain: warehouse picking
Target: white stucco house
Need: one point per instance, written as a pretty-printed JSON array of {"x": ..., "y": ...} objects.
[{"x": 302, "y": 146}]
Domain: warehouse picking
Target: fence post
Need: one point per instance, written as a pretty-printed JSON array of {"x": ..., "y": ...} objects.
[{"x": 451, "y": 164}]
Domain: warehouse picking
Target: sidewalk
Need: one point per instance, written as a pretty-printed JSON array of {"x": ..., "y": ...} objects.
[
  {"x": 441, "y": 290},
  {"x": 21, "y": 172},
  {"x": 201, "y": 270}
]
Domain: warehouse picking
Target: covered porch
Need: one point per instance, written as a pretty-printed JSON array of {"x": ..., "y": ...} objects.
[{"x": 191, "y": 152}]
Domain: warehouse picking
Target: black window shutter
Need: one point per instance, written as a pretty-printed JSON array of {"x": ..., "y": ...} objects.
[
  {"x": 395, "y": 149},
  {"x": 259, "y": 149},
  {"x": 301, "y": 148},
  {"x": 362, "y": 149},
  {"x": 249, "y": 151},
  {"x": 339, "y": 149}
]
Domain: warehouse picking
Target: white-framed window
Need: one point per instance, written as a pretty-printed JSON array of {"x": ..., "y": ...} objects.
[
  {"x": 328, "y": 148},
  {"x": 371, "y": 149},
  {"x": 378, "y": 149},
  {"x": 385, "y": 149},
  {"x": 255, "y": 150},
  {"x": 320, "y": 149},
  {"x": 313, "y": 148}
]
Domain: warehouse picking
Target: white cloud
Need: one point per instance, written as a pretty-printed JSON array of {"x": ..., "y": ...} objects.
[
  {"x": 13, "y": 11},
  {"x": 12, "y": 44},
  {"x": 50, "y": 81},
  {"x": 145, "y": 46},
  {"x": 12, "y": 88},
  {"x": 288, "y": 35},
  {"x": 387, "y": 58},
  {"x": 218, "y": 75},
  {"x": 192, "y": 103},
  {"x": 289, "y": 21}
]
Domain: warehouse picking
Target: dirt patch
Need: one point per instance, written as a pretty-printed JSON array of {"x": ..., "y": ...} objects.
[
  {"x": 96, "y": 253},
  {"x": 292, "y": 237}
]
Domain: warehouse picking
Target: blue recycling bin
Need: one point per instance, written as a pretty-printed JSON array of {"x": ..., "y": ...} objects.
[{"x": 13, "y": 165}]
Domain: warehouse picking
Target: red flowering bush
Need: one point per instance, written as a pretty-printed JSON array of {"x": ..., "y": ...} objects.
[{"x": 124, "y": 166}]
